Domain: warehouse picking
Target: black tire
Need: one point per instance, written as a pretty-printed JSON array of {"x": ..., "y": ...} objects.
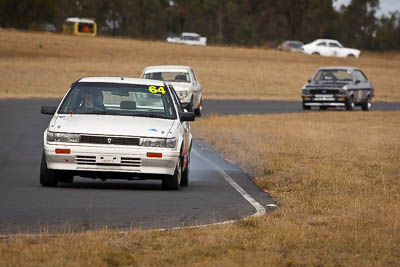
[
  {"x": 316, "y": 53},
  {"x": 65, "y": 177},
  {"x": 185, "y": 173},
  {"x": 198, "y": 110},
  {"x": 350, "y": 103},
  {"x": 323, "y": 108},
  {"x": 366, "y": 106},
  {"x": 189, "y": 107},
  {"x": 47, "y": 177},
  {"x": 351, "y": 55},
  {"x": 172, "y": 182},
  {"x": 306, "y": 107}
]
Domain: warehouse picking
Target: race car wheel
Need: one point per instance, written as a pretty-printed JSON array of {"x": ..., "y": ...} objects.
[
  {"x": 367, "y": 104},
  {"x": 65, "y": 177},
  {"x": 47, "y": 177},
  {"x": 350, "y": 103},
  {"x": 172, "y": 182},
  {"x": 198, "y": 110},
  {"x": 306, "y": 107},
  {"x": 190, "y": 105},
  {"x": 185, "y": 173},
  {"x": 323, "y": 108}
]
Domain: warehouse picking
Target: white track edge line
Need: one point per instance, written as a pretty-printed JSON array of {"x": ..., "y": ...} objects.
[{"x": 260, "y": 210}]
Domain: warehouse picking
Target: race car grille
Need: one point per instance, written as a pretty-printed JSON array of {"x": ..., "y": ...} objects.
[
  {"x": 91, "y": 160},
  {"x": 109, "y": 140},
  {"x": 324, "y": 91}
]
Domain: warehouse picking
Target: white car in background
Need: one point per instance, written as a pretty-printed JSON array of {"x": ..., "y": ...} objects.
[
  {"x": 184, "y": 81},
  {"x": 189, "y": 38},
  {"x": 329, "y": 48},
  {"x": 117, "y": 128}
]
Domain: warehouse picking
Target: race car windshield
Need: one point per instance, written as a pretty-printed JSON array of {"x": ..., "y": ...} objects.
[
  {"x": 119, "y": 99},
  {"x": 333, "y": 76},
  {"x": 168, "y": 76}
]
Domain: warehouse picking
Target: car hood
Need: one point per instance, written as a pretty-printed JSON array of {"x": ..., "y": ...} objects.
[
  {"x": 112, "y": 125},
  {"x": 328, "y": 84},
  {"x": 178, "y": 86}
]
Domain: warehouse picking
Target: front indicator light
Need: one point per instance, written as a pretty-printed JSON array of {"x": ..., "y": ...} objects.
[
  {"x": 154, "y": 155},
  {"x": 307, "y": 98},
  {"x": 340, "y": 98},
  {"x": 63, "y": 151}
]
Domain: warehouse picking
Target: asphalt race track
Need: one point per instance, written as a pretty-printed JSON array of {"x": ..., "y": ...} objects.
[{"x": 25, "y": 206}]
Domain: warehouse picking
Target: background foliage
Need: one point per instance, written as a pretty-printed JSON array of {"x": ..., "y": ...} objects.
[{"x": 239, "y": 22}]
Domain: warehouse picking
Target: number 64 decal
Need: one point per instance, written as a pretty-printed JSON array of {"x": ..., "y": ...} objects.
[{"x": 154, "y": 90}]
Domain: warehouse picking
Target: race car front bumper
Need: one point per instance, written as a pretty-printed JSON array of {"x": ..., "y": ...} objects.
[
  {"x": 324, "y": 100},
  {"x": 109, "y": 158}
]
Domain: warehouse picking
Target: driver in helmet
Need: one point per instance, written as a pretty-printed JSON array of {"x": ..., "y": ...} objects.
[{"x": 91, "y": 100}]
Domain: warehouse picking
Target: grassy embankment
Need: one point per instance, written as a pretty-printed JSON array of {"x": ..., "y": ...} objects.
[
  {"x": 336, "y": 175},
  {"x": 44, "y": 65}
]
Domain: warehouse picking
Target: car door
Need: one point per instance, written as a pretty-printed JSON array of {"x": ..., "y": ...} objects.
[
  {"x": 322, "y": 49},
  {"x": 334, "y": 49},
  {"x": 197, "y": 88},
  {"x": 184, "y": 125},
  {"x": 364, "y": 86}
]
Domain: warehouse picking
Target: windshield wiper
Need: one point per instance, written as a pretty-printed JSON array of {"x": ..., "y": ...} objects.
[
  {"x": 111, "y": 112},
  {"x": 151, "y": 116}
]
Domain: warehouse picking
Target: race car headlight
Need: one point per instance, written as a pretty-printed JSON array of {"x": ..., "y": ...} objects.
[
  {"x": 183, "y": 94},
  {"x": 170, "y": 142},
  {"x": 152, "y": 142},
  {"x": 62, "y": 137},
  {"x": 158, "y": 142}
]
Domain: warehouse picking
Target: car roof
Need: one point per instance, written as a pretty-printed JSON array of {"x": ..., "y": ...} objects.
[
  {"x": 292, "y": 41},
  {"x": 326, "y": 40},
  {"x": 170, "y": 68},
  {"x": 80, "y": 20},
  {"x": 191, "y": 34},
  {"x": 167, "y": 67},
  {"x": 338, "y": 68},
  {"x": 124, "y": 80}
]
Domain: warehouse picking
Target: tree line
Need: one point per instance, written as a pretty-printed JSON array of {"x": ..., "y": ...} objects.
[{"x": 237, "y": 22}]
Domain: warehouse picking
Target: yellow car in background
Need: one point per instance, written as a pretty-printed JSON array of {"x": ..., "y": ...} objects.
[{"x": 78, "y": 26}]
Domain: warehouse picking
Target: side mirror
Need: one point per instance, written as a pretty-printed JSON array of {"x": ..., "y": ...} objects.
[
  {"x": 309, "y": 81},
  {"x": 48, "y": 110},
  {"x": 358, "y": 81},
  {"x": 187, "y": 116}
]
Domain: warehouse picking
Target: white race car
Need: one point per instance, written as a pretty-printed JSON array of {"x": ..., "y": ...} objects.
[
  {"x": 329, "y": 48},
  {"x": 117, "y": 128},
  {"x": 189, "y": 38},
  {"x": 184, "y": 81}
]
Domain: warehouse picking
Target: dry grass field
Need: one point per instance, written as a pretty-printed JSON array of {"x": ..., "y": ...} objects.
[
  {"x": 335, "y": 174},
  {"x": 44, "y": 65}
]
